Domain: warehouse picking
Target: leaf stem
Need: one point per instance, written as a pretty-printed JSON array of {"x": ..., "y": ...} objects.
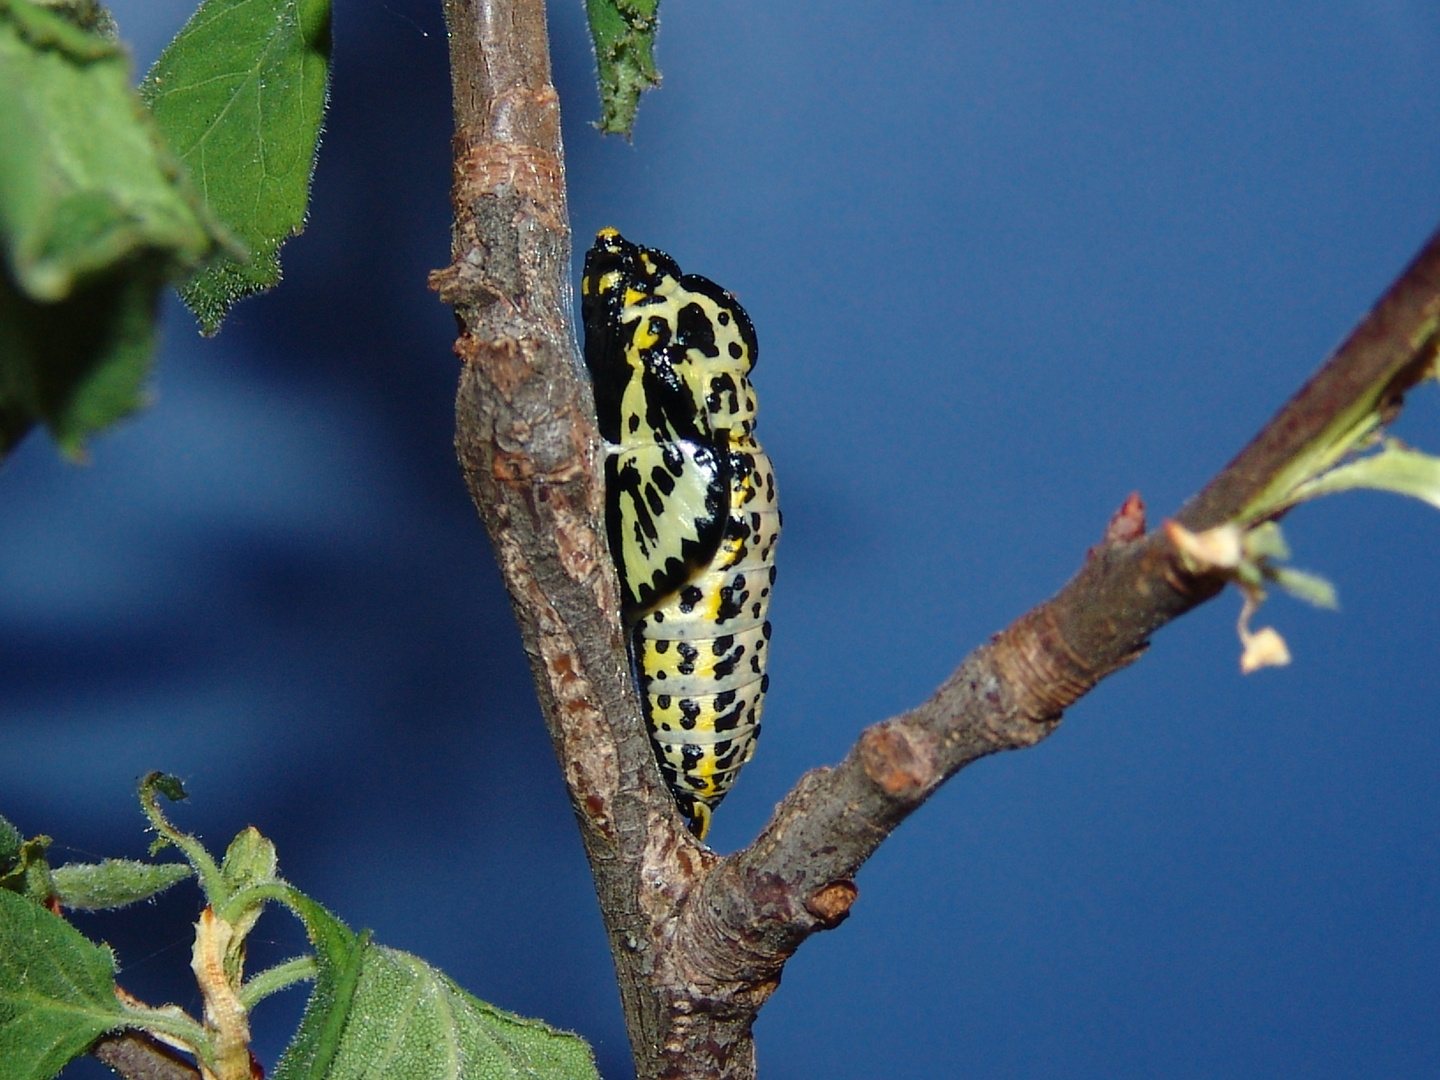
[
  {"x": 211, "y": 880},
  {"x": 235, "y": 905},
  {"x": 273, "y": 980}
]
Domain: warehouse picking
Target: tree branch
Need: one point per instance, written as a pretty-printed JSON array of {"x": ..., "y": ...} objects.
[
  {"x": 527, "y": 444},
  {"x": 136, "y": 1056},
  {"x": 699, "y": 941}
]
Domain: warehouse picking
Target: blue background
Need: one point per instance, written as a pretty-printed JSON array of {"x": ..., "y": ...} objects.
[{"x": 1008, "y": 262}]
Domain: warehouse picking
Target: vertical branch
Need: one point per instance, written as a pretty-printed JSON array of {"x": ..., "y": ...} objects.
[
  {"x": 528, "y": 446},
  {"x": 523, "y": 435}
]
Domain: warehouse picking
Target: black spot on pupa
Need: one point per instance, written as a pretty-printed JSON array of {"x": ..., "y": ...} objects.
[
  {"x": 731, "y": 605},
  {"x": 689, "y": 713},
  {"x": 662, "y": 478}
]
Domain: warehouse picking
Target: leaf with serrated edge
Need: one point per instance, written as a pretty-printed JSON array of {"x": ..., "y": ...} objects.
[
  {"x": 409, "y": 1020},
  {"x": 56, "y": 991},
  {"x": 113, "y": 883},
  {"x": 240, "y": 95},
  {"x": 623, "y": 32},
  {"x": 377, "y": 1012}
]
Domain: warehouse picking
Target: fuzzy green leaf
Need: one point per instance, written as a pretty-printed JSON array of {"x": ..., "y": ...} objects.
[
  {"x": 240, "y": 95},
  {"x": 24, "y": 869},
  {"x": 1395, "y": 468},
  {"x": 624, "y": 36},
  {"x": 11, "y": 839},
  {"x": 167, "y": 784},
  {"x": 56, "y": 991},
  {"x": 422, "y": 1026},
  {"x": 113, "y": 883},
  {"x": 378, "y": 1012},
  {"x": 94, "y": 219},
  {"x": 338, "y": 953},
  {"x": 249, "y": 860}
]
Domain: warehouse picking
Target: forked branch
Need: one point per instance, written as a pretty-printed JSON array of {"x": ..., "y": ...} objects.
[{"x": 699, "y": 941}]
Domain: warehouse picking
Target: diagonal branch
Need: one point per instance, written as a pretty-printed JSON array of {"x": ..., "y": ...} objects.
[
  {"x": 1010, "y": 693},
  {"x": 699, "y": 942}
]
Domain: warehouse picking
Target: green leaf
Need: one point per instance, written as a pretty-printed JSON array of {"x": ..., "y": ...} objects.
[
  {"x": 1352, "y": 430},
  {"x": 1312, "y": 588},
  {"x": 56, "y": 991},
  {"x": 77, "y": 365},
  {"x": 87, "y": 15},
  {"x": 1265, "y": 541},
  {"x": 249, "y": 860},
  {"x": 113, "y": 883},
  {"x": 165, "y": 784},
  {"x": 240, "y": 95},
  {"x": 94, "y": 219},
  {"x": 11, "y": 840},
  {"x": 26, "y": 871},
  {"x": 338, "y": 953},
  {"x": 377, "y": 1012},
  {"x": 624, "y": 36},
  {"x": 409, "y": 1020},
  {"x": 1395, "y": 468}
]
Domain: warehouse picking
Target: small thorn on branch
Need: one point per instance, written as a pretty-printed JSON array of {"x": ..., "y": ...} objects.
[{"x": 1128, "y": 524}]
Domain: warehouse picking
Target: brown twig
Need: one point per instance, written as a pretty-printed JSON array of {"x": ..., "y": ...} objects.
[
  {"x": 699, "y": 941},
  {"x": 137, "y": 1056}
]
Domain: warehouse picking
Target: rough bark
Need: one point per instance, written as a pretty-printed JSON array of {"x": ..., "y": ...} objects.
[
  {"x": 529, "y": 450},
  {"x": 700, "y": 941}
]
